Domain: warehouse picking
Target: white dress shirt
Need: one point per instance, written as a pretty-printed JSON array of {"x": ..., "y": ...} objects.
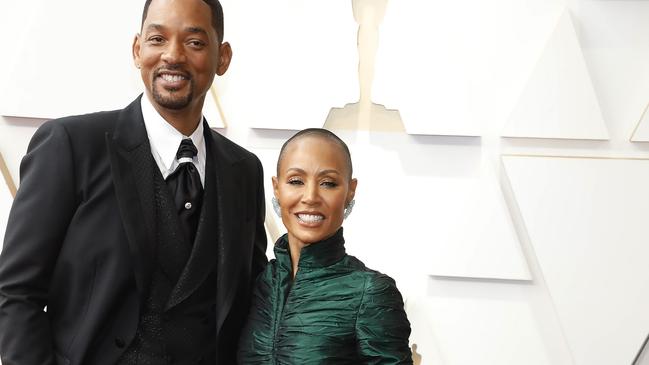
[{"x": 165, "y": 140}]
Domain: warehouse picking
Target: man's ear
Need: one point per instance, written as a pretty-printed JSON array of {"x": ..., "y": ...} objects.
[
  {"x": 225, "y": 56},
  {"x": 136, "y": 50}
]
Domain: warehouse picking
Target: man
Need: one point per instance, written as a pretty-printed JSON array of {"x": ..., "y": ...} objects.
[{"x": 140, "y": 230}]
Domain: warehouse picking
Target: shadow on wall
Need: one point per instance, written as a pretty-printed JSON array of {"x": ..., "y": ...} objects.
[{"x": 643, "y": 354}]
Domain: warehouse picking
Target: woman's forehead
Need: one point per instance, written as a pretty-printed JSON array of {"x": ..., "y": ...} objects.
[{"x": 314, "y": 149}]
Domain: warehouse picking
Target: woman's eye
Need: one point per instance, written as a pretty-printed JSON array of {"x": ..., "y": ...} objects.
[
  {"x": 295, "y": 182},
  {"x": 329, "y": 184}
]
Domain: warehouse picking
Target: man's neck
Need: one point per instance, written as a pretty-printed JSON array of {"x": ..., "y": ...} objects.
[{"x": 183, "y": 120}]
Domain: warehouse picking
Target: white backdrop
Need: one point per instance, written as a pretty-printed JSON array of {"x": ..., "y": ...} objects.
[{"x": 513, "y": 259}]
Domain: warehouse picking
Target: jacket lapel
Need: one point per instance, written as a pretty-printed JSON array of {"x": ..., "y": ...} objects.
[
  {"x": 132, "y": 170},
  {"x": 231, "y": 208}
]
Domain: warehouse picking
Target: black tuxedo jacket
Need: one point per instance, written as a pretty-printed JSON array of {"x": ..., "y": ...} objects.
[{"x": 80, "y": 241}]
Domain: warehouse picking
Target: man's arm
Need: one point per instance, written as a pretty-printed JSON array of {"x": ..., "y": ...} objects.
[
  {"x": 36, "y": 228},
  {"x": 259, "y": 259}
]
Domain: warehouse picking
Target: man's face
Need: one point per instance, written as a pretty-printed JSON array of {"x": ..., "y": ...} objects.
[{"x": 178, "y": 53}]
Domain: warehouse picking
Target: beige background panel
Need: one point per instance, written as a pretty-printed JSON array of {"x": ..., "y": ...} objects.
[
  {"x": 7, "y": 193},
  {"x": 6, "y": 175}
]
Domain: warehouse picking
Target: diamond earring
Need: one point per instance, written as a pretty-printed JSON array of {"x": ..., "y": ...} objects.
[
  {"x": 275, "y": 203},
  {"x": 348, "y": 209}
]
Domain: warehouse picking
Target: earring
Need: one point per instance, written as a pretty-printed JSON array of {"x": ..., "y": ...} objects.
[
  {"x": 275, "y": 203},
  {"x": 348, "y": 209},
  {"x": 137, "y": 65}
]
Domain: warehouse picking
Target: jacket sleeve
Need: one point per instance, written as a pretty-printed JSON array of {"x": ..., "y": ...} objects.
[
  {"x": 38, "y": 221},
  {"x": 259, "y": 259},
  {"x": 382, "y": 328}
]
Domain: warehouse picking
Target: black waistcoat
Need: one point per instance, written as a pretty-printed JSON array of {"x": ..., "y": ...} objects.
[{"x": 178, "y": 319}]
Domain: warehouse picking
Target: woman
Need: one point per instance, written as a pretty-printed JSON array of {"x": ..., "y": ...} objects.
[{"x": 314, "y": 304}]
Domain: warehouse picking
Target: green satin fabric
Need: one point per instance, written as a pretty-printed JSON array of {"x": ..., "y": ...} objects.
[{"x": 336, "y": 311}]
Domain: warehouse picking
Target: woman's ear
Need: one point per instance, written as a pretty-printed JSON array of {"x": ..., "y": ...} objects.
[
  {"x": 275, "y": 187},
  {"x": 352, "y": 190}
]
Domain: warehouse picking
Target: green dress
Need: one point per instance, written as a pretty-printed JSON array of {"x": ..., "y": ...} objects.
[{"x": 335, "y": 311}]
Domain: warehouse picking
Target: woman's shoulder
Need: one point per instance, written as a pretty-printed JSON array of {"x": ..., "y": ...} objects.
[{"x": 375, "y": 282}]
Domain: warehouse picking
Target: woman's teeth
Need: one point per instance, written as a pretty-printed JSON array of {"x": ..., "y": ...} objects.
[{"x": 310, "y": 218}]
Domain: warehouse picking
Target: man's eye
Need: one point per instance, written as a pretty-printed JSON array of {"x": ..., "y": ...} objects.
[
  {"x": 156, "y": 39},
  {"x": 197, "y": 44}
]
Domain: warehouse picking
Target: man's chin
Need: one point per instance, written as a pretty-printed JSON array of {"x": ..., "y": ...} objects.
[{"x": 172, "y": 100}]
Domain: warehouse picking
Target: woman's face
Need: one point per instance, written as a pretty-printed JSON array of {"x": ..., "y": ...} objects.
[{"x": 313, "y": 188}]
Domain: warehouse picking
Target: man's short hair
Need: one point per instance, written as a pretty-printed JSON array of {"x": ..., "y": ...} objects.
[{"x": 217, "y": 16}]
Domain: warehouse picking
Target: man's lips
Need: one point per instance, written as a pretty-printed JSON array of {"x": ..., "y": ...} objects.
[{"x": 172, "y": 80}]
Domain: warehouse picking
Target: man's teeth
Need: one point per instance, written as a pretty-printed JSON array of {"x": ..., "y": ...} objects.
[
  {"x": 310, "y": 218},
  {"x": 172, "y": 78}
]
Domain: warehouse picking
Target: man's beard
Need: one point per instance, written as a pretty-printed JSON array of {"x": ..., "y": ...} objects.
[{"x": 174, "y": 101}]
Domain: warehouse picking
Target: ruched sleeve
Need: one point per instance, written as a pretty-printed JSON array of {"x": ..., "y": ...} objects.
[{"x": 382, "y": 328}]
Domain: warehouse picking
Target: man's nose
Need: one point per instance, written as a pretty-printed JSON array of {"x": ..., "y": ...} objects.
[{"x": 174, "y": 53}]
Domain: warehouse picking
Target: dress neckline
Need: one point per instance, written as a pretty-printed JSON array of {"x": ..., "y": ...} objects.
[{"x": 318, "y": 254}]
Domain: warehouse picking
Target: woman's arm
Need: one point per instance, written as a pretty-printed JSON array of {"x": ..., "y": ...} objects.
[{"x": 382, "y": 328}]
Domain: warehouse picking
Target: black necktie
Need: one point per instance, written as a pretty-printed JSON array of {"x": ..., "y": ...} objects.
[{"x": 187, "y": 190}]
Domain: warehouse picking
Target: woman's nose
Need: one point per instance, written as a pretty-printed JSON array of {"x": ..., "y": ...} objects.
[{"x": 310, "y": 195}]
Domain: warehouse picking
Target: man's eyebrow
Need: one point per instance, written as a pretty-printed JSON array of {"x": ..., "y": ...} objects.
[
  {"x": 160, "y": 27},
  {"x": 196, "y": 30},
  {"x": 155, "y": 26}
]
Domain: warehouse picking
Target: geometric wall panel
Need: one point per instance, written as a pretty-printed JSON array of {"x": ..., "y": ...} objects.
[
  {"x": 587, "y": 222},
  {"x": 299, "y": 62},
  {"x": 443, "y": 220},
  {"x": 641, "y": 132},
  {"x": 450, "y": 68},
  {"x": 474, "y": 330},
  {"x": 88, "y": 68},
  {"x": 474, "y": 213},
  {"x": 559, "y": 100}
]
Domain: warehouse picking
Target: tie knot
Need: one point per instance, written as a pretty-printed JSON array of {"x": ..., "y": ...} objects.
[{"x": 186, "y": 149}]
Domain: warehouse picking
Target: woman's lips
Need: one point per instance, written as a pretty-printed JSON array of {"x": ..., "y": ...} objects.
[{"x": 309, "y": 219}]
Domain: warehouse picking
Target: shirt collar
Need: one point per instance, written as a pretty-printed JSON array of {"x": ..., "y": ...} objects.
[{"x": 164, "y": 138}]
